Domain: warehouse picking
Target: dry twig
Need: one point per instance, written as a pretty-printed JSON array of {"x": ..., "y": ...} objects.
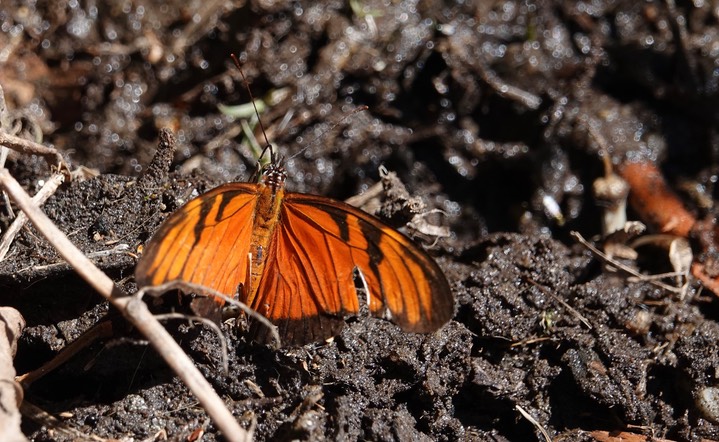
[
  {"x": 623, "y": 436},
  {"x": 178, "y": 284},
  {"x": 38, "y": 200},
  {"x": 18, "y": 144},
  {"x": 571, "y": 309},
  {"x": 133, "y": 309},
  {"x": 207, "y": 322},
  {"x": 534, "y": 422},
  {"x": 59, "y": 428},
  {"x": 621, "y": 266},
  {"x": 11, "y": 325},
  {"x": 101, "y": 330}
]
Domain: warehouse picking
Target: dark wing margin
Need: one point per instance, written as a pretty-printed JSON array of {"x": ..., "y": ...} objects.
[
  {"x": 311, "y": 271},
  {"x": 205, "y": 242}
]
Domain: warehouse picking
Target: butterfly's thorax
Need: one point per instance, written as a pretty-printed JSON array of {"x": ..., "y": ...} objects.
[{"x": 266, "y": 219}]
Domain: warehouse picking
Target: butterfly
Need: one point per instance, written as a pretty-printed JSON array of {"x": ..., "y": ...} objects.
[{"x": 297, "y": 259}]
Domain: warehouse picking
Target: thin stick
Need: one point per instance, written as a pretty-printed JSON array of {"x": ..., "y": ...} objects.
[
  {"x": 534, "y": 422},
  {"x": 505, "y": 89},
  {"x": 99, "y": 331},
  {"x": 117, "y": 250},
  {"x": 31, "y": 147},
  {"x": 621, "y": 266},
  {"x": 530, "y": 341},
  {"x": 209, "y": 323},
  {"x": 178, "y": 284},
  {"x": 60, "y": 429},
  {"x": 657, "y": 276},
  {"x": 4, "y": 152},
  {"x": 11, "y": 394},
  {"x": 38, "y": 200},
  {"x": 134, "y": 311},
  {"x": 571, "y": 309}
]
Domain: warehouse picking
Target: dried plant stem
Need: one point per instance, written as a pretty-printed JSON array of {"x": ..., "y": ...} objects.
[
  {"x": 30, "y": 147},
  {"x": 178, "y": 284},
  {"x": 101, "y": 330},
  {"x": 209, "y": 324},
  {"x": 621, "y": 266},
  {"x": 11, "y": 325},
  {"x": 61, "y": 430},
  {"x": 134, "y": 311},
  {"x": 534, "y": 422},
  {"x": 564, "y": 303},
  {"x": 38, "y": 200}
]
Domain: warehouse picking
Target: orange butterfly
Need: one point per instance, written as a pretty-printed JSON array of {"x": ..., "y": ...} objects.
[{"x": 292, "y": 257}]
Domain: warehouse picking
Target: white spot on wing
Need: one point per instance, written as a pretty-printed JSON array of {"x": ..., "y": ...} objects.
[{"x": 368, "y": 298}]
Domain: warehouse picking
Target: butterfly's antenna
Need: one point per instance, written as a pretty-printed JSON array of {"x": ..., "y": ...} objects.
[
  {"x": 324, "y": 132},
  {"x": 268, "y": 146}
]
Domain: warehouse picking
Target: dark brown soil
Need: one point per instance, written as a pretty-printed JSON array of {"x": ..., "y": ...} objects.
[{"x": 486, "y": 110}]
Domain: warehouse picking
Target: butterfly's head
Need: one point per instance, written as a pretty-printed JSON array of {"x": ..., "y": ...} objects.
[{"x": 274, "y": 175}]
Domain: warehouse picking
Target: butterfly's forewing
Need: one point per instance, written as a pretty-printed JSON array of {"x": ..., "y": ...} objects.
[
  {"x": 308, "y": 282},
  {"x": 205, "y": 242}
]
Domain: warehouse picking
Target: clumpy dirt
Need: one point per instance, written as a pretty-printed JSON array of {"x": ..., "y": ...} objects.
[{"x": 489, "y": 111}]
